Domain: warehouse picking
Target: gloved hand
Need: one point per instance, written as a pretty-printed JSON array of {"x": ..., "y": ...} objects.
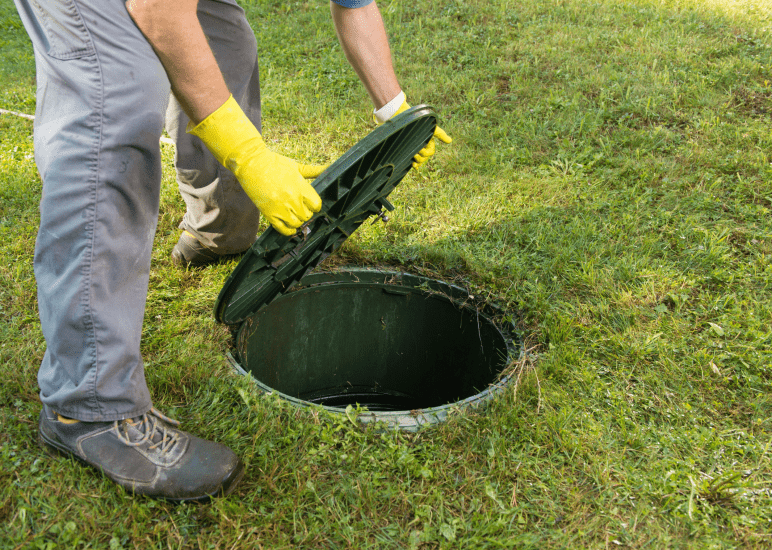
[
  {"x": 424, "y": 154},
  {"x": 275, "y": 183}
]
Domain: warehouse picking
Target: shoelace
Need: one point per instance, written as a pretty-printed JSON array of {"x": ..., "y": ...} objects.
[{"x": 148, "y": 425}]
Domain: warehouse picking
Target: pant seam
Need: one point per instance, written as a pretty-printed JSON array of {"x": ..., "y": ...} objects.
[
  {"x": 98, "y": 116},
  {"x": 75, "y": 415}
]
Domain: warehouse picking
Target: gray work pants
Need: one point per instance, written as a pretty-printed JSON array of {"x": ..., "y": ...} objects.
[{"x": 102, "y": 97}]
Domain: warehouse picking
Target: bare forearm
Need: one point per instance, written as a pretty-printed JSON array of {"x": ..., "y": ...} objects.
[
  {"x": 173, "y": 30},
  {"x": 363, "y": 38}
]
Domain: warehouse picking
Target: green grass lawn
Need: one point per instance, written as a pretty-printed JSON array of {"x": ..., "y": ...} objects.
[{"x": 610, "y": 183}]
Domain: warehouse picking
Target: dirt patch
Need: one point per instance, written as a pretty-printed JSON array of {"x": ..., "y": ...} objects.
[{"x": 751, "y": 101}]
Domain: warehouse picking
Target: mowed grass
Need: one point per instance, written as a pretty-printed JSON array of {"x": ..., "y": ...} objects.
[{"x": 609, "y": 183}]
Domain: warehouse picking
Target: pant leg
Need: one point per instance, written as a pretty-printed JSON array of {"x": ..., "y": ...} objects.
[
  {"x": 219, "y": 213},
  {"x": 101, "y": 97}
]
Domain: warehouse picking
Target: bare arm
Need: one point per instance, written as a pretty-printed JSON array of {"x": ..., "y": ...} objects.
[
  {"x": 363, "y": 37},
  {"x": 173, "y": 30}
]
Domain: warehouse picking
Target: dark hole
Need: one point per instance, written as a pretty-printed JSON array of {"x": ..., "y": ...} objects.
[{"x": 385, "y": 347}]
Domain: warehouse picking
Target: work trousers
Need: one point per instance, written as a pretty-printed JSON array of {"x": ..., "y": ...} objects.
[{"x": 102, "y": 102}]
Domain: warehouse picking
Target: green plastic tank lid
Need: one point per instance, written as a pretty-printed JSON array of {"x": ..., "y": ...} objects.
[{"x": 353, "y": 188}]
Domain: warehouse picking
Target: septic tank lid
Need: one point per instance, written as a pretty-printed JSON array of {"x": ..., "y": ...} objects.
[{"x": 352, "y": 189}]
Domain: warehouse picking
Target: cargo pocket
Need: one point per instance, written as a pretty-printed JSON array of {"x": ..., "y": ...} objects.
[{"x": 62, "y": 28}]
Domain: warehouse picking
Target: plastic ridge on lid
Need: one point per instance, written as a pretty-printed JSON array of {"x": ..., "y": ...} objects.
[{"x": 352, "y": 189}]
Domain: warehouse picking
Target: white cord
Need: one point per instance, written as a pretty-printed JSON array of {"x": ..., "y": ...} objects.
[
  {"x": 30, "y": 117},
  {"x": 22, "y": 115}
]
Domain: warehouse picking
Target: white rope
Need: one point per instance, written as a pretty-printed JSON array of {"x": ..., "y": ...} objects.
[
  {"x": 22, "y": 115},
  {"x": 30, "y": 117}
]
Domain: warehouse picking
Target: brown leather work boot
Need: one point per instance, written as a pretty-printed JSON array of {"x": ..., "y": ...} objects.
[{"x": 146, "y": 455}]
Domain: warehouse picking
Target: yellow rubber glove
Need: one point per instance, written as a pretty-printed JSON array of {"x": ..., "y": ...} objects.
[
  {"x": 275, "y": 183},
  {"x": 426, "y": 153}
]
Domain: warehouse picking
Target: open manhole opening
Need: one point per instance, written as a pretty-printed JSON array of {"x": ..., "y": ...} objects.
[
  {"x": 405, "y": 348},
  {"x": 408, "y": 349}
]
